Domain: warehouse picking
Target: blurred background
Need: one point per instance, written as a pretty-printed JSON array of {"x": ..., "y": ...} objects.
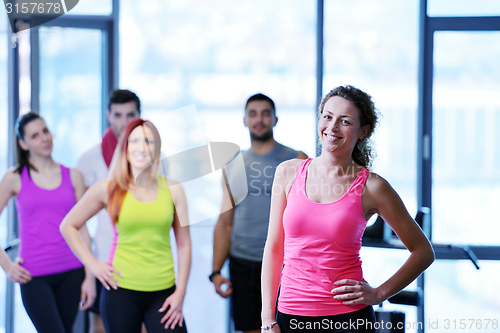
[{"x": 215, "y": 54}]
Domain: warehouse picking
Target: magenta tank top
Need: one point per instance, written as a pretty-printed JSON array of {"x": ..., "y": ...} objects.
[
  {"x": 40, "y": 212},
  {"x": 322, "y": 243}
]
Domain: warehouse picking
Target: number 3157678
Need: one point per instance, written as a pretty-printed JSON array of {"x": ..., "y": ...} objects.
[
  {"x": 470, "y": 324},
  {"x": 34, "y": 8}
]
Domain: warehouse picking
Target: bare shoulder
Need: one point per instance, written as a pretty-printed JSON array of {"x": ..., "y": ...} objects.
[
  {"x": 75, "y": 175},
  {"x": 99, "y": 190},
  {"x": 176, "y": 191},
  {"x": 376, "y": 184},
  {"x": 11, "y": 181},
  {"x": 172, "y": 182},
  {"x": 12, "y": 175},
  {"x": 378, "y": 193},
  {"x": 285, "y": 175},
  {"x": 175, "y": 187},
  {"x": 288, "y": 168},
  {"x": 102, "y": 184}
]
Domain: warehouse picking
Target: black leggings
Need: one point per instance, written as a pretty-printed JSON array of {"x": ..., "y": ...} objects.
[
  {"x": 358, "y": 321},
  {"x": 124, "y": 310},
  {"x": 51, "y": 301}
]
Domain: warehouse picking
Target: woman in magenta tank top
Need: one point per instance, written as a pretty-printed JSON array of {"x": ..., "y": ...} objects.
[
  {"x": 51, "y": 277},
  {"x": 138, "y": 279},
  {"x": 319, "y": 211}
]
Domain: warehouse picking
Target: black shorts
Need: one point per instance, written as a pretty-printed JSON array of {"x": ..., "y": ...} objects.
[
  {"x": 246, "y": 302},
  {"x": 124, "y": 311},
  {"x": 95, "y": 307},
  {"x": 362, "y": 321}
]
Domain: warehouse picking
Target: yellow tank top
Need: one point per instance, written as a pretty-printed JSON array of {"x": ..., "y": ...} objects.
[{"x": 141, "y": 243}]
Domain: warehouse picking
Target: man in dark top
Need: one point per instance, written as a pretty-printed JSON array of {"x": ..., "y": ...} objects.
[{"x": 240, "y": 233}]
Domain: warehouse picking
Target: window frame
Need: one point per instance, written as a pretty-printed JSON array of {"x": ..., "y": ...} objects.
[
  {"x": 428, "y": 26},
  {"x": 108, "y": 24}
]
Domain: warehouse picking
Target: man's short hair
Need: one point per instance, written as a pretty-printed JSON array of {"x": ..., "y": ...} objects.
[
  {"x": 261, "y": 97},
  {"x": 122, "y": 96}
]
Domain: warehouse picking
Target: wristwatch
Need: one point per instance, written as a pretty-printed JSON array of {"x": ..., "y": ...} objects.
[{"x": 212, "y": 275}]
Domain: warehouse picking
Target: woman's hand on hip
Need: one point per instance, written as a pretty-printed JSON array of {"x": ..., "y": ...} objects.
[
  {"x": 104, "y": 273},
  {"x": 173, "y": 306},
  {"x": 18, "y": 274},
  {"x": 352, "y": 292}
]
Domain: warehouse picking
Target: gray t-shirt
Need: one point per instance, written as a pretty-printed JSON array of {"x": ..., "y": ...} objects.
[{"x": 251, "y": 216}]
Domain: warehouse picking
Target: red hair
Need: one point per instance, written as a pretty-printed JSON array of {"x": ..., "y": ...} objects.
[{"x": 120, "y": 175}]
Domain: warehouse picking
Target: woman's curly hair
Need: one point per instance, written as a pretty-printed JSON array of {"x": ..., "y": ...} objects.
[{"x": 364, "y": 151}]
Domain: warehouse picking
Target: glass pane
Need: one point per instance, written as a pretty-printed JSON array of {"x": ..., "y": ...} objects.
[
  {"x": 466, "y": 137},
  {"x": 373, "y": 45},
  {"x": 71, "y": 89},
  {"x": 180, "y": 56},
  {"x": 4, "y": 35},
  {"x": 456, "y": 291},
  {"x": 93, "y": 7},
  {"x": 171, "y": 68},
  {"x": 463, "y": 8},
  {"x": 378, "y": 266}
]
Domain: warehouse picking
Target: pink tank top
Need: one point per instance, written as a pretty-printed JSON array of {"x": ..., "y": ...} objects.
[
  {"x": 322, "y": 243},
  {"x": 40, "y": 212}
]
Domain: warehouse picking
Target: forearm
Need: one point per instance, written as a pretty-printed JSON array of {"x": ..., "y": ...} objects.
[
  {"x": 416, "y": 263},
  {"x": 271, "y": 274},
  {"x": 87, "y": 241},
  {"x": 184, "y": 265},
  {"x": 76, "y": 244},
  {"x": 5, "y": 261},
  {"x": 7, "y": 191},
  {"x": 85, "y": 236},
  {"x": 222, "y": 245}
]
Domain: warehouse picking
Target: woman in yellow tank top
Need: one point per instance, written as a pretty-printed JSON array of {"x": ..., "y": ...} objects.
[{"x": 139, "y": 278}]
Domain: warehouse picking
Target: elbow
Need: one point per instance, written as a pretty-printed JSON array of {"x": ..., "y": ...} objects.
[
  {"x": 62, "y": 228},
  {"x": 424, "y": 253},
  {"x": 225, "y": 225},
  {"x": 277, "y": 251},
  {"x": 273, "y": 250},
  {"x": 184, "y": 245},
  {"x": 427, "y": 256},
  {"x": 65, "y": 228},
  {"x": 431, "y": 256}
]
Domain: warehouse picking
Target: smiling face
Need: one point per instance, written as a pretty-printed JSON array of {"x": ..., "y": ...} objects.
[
  {"x": 141, "y": 148},
  {"x": 37, "y": 138},
  {"x": 260, "y": 120},
  {"x": 339, "y": 126}
]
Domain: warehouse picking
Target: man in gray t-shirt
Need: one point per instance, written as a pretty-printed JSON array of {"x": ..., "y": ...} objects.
[{"x": 240, "y": 233}]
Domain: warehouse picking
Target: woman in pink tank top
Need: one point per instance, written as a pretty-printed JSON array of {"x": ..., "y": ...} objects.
[
  {"x": 52, "y": 279},
  {"x": 319, "y": 211}
]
